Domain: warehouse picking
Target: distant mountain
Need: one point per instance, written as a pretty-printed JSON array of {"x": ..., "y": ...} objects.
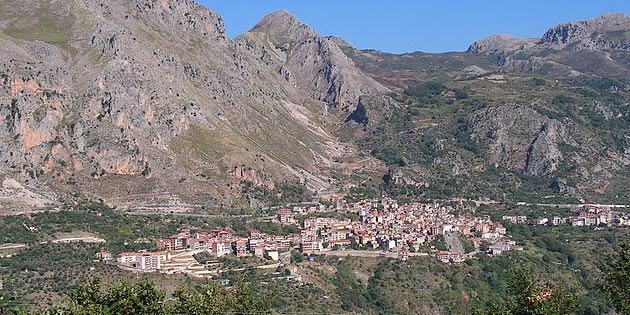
[
  {"x": 598, "y": 46},
  {"x": 605, "y": 32},
  {"x": 508, "y": 119}
]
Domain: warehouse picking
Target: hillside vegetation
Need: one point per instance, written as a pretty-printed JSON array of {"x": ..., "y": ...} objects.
[{"x": 511, "y": 137}]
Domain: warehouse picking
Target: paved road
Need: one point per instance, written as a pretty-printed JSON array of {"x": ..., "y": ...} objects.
[
  {"x": 190, "y": 215},
  {"x": 12, "y": 246},
  {"x": 567, "y": 205},
  {"x": 365, "y": 253},
  {"x": 551, "y": 205}
]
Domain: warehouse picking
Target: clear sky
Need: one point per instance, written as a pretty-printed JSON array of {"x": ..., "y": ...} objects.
[{"x": 417, "y": 25}]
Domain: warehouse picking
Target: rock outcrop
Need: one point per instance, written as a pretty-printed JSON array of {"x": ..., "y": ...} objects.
[
  {"x": 519, "y": 138},
  {"x": 309, "y": 61},
  {"x": 500, "y": 44},
  {"x": 608, "y": 31},
  {"x": 373, "y": 109}
]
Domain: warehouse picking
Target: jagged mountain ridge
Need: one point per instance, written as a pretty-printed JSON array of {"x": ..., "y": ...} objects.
[
  {"x": 597, "y": 46},
  {"x": 149, "y": 101},
  {"x": 594, "y": 33},
  {"x": 309, "y": 61}
]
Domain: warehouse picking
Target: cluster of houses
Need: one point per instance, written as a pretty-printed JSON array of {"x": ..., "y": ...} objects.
[
  {"x": 217, "y": 243},
  {"x": 386, "y": 225},
  {"x": 381, "y": 225},
  {"x": 584, "y": 216},
  {"x": 221, "y": 242}
]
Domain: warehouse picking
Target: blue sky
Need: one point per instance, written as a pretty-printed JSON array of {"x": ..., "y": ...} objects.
[{"x": 417, "y": 25}]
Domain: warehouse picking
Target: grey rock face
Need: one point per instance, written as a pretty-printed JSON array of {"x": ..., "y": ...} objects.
[
  {"x": 309, "y": 61},
  {"x": 544, "y": 154},
  {"x": 586, "y": 31},
  {"x": 147, "y": 99},
  {"x": 499, "y": 44},
  {"x": 519, "y": 138}
]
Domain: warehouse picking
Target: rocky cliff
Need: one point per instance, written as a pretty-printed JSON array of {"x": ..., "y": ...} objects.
[
  {"x": 309, "y": 61},
  {"x": 146, "y": 100},
  {"x": 608, "y": 31},
  {"x": 519, "y": 138}
]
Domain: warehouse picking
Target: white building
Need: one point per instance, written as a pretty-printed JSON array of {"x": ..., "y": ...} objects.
[
  {"x": 273, "y": 255},
  {"x": 143, "y": 260},
  {"x": 148, "y": 261},
  {"x": 221, "y": 249}
]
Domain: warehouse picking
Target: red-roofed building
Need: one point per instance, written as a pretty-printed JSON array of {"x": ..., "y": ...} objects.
[
  {"x": 285, "y": 216},
  {"x": 239, "y": 247}
]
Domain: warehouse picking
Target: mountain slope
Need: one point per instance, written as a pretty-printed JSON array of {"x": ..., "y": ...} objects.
[
  {"x": 309, "y": 61},
  {"x": 599, "y": 46},
  {"x": 149, "y": 102},
  {"x": 515, "y": 139},
  {"x": 510, "y": 119}
]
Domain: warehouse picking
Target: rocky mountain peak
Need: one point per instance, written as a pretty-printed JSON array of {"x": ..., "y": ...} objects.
[
  {"x": 607, "y": 20},
  {"x": 283, "y": 27},
  {"x": 577, "y": 31},
  {"x": 497, "y": 44},
  {"x": 309, "y": 61},
  {"x": 283, "y": 17},
  {"x": 567, "y": 49}
]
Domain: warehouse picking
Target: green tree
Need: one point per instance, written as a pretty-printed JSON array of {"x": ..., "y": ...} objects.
[
  {"x": 202, "y": 257},
  {"x": 212, "y": 299},
  {"x": 351, "y": 292},
  {"x": 122, "y": 299},
  {"x": 5, "y": 307},
  {"x": 527, "y": 297},
  {"x": 297, "y": 257},
  {"x": 616, "y": 278},
  {"x": 144, "y": 298}
]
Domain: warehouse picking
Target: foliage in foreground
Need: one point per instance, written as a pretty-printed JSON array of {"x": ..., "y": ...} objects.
[
  {"x": 616, "y": 285},
  {"x": 144, "y": 298},
  {"x": 527, "y": 297}
]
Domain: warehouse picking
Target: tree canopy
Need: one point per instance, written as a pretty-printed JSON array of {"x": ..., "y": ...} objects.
[
  {"x": 143, "y": 298},
  {"x": 529, "y": 297},
  {"x": 616, "y": 276}
]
